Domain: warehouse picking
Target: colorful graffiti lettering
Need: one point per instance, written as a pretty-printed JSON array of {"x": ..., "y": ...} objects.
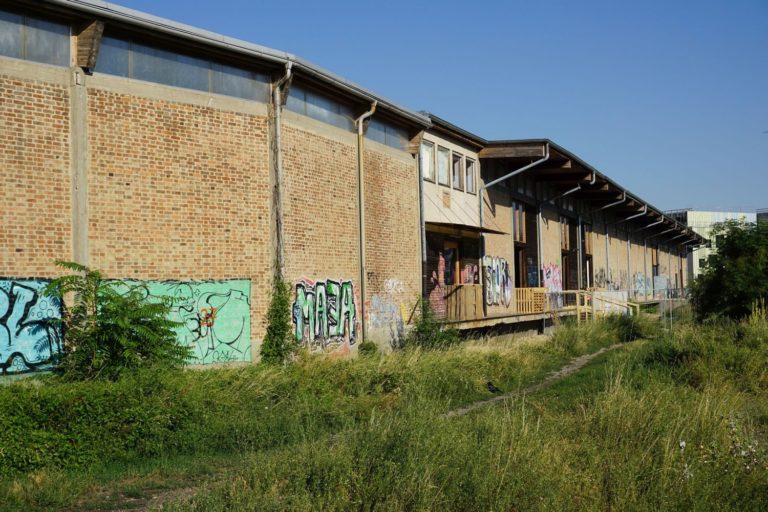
[
  {"x": 324, "y": 312},
  {"x": 214, "y": 317},
  {"x": 29, "y": 336},
  {"x": 498, "y": 285}
]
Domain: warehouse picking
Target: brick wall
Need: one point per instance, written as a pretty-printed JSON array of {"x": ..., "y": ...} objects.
[
  {"x": 179, "y": 191},
  {"x": 320, "y": 212},
  {"x": 392, "y": 241},
  {"x": 35, "y": 227}
]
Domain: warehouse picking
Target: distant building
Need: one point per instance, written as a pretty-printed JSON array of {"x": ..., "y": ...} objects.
[
  {"x": 702, "y": 223},
  {"x": 762, "y": 215}
]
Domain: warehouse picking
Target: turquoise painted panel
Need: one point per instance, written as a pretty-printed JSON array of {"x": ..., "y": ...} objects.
[
  {"x": 215, "y": 317},
  {"x": 30, "y": 339}
]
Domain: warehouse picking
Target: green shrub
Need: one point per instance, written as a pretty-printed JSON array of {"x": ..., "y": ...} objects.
[
  {"x": 111, "y": 327},
  {"x": 429, "y": 332},
  {"x": 279, "y": 345},
  {"x": 368, "y": 348}
]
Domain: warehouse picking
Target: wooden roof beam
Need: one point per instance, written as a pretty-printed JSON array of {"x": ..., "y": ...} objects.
[{"x": 88, "y": 43}]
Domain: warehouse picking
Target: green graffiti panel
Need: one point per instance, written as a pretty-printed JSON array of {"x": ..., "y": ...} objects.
[{"x": 215, "y": 317}]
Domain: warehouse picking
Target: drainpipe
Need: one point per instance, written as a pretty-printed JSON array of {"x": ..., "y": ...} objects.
[
  {"x": 422, "y": 230},
  {"x": 580, "y": 243},
  {"x": 278, "y": 100},
  {"x": 360, "y": 123},
  {"x": 629, "y": 264},
  {"x": 650, "y": 225}
]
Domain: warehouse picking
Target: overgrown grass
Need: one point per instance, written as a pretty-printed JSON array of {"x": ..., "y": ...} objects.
[
  {"x": 676, "y": 422},
  {"x": 627, "y": 433}
]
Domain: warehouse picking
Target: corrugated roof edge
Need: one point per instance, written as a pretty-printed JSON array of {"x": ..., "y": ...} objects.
[
  {"x": 130, "y": 16},
  {"x": 437, "y": 121}
]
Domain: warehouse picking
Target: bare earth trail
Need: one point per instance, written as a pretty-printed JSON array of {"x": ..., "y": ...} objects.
[
  {"x": 572, "y": 367},
  {"x": 155, "y": 501}
]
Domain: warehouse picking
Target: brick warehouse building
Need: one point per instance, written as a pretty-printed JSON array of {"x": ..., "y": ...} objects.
[{"x": 192, "y": 163}]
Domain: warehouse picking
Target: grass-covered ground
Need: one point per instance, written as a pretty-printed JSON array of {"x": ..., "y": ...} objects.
[{"x": 675, "y": 422}]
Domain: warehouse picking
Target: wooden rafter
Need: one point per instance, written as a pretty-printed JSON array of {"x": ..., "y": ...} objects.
[{"x": 88, "y": 43}]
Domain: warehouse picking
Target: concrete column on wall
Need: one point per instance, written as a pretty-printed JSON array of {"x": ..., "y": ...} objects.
[
  {"x": 607, "y": 248},
  {"x": 645, "y": 268},
  {"x": 78, "y": 144},
  {"x": 630, "y": 280}
]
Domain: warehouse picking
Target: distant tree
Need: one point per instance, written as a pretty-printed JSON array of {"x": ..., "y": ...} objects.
[{"x": 736, "y": 276}]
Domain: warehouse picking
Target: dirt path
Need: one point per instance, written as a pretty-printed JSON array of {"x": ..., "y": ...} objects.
[
  {"x": 156, "y": 500},
  {"x": 573, "y": 366}
]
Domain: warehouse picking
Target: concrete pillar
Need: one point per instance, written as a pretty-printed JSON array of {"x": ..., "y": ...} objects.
[{"x": 78, "y": 143}]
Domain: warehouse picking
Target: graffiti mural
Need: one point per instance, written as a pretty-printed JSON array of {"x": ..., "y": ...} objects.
[
  {"x": 385, "y": 314},
  {"x": 553, "y": 280},
  {"x": 641, "y": 285},
  {"x": 324, "y": 312},
  {"x": 498, "y": 285},
  {"x": 215, "y": 317},
  {"x": 470, "y": 274},
  {"x": 29, "y": 337}
]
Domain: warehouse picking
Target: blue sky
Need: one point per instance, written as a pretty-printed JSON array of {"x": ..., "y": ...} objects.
[{"x": 669, "y": 98}]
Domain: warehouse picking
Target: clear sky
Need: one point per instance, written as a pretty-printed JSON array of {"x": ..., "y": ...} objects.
[{"x": 669, "y": 98}]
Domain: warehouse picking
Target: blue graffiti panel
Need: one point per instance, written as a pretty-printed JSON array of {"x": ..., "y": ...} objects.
[{"x": 30, "y": 337}]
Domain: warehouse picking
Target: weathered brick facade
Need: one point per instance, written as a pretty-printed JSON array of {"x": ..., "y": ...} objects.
[
  {"x": 34, "y": 169},
  {"x": 392, "y": 242},
  {"x": 173, "y": 188},
  {"x": 178, "y": 191}
]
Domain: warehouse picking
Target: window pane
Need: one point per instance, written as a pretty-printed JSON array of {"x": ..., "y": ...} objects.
[
  {"x": 397, "y": 137},
  {"x": 190, "y": 72},
  {"x": 295, "y": 102},
  {"x": 47, "y": 42},
  {"x": 113, "y": 57},
  {"x": 443, "y": 157},
  {"x": 151, "y": 64},
  {"x": 321, "y": 108},
  {"x": 346, "y": 118},
  {"x": 155, "y": 65},
  {"x": 470, "y": 176},
  {"x": 377, "y": 131},
  {"x": 10, "y": 35},
  {"x": 458, "y": 172},
  {"x": 428, "y": 160}
]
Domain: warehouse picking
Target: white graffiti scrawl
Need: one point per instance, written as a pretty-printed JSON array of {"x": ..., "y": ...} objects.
[
  {"x": 498, "y": 285},
  {"x": 324, "y": 312}
]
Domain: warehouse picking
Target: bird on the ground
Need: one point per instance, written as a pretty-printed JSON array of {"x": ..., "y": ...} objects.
[{"x": 492, "y": 388}]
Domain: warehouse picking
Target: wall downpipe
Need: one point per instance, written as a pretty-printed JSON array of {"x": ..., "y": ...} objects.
[
  {"x": 422, "y": 229},
  {"x": 278, "y": 100},
  {"x": 361, "y": 126}
]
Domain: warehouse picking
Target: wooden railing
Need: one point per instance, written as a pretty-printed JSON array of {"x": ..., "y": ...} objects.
[
  {"x": 531, "y": 300},
  {"x": 464, "y": 302}
]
